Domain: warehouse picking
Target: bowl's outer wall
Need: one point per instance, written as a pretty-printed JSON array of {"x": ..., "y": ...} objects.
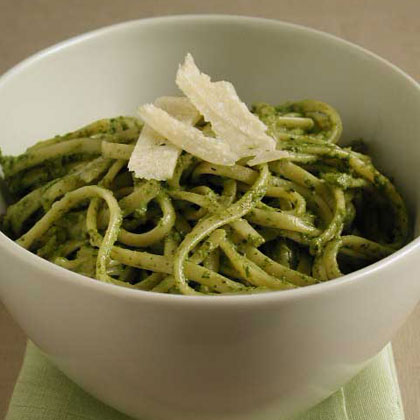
[{"x": 173, "y": 357}]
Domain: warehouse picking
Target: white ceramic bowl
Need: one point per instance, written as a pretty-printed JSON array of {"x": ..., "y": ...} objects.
[{"x": 241, "y": 357}]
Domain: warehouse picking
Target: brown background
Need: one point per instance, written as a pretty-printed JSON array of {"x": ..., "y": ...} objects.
[{"x": 389, "y": 28}]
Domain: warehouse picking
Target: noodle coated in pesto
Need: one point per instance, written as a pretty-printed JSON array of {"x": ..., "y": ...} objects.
[{"x": 322, "y": 212}]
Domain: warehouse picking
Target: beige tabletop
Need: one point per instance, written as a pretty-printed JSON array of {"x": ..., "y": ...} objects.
[{"x": 387, "y": 27}]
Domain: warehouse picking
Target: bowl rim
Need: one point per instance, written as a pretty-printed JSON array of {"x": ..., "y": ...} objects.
[{"x": 82, "y": 281}]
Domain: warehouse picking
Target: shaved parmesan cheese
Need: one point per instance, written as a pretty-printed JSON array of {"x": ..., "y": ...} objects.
[
  {"x": 169, "y": 128},
  {"x": 264, "y": 157},
  {"x": 186, "y": 137},
  {"x": 220, "y": 105},
  {"x": 179, "y": 107},
  {"x": 154, "y": 157}
]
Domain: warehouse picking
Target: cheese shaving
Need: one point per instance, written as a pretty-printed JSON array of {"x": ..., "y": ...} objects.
[
  {"x": 270, "y": 156},
  {"x": 179, "y": 107},
  {"x": 186, "y": 137},
  {"x": 153, "y": 156},
  {"x": 220, "y": 105}
]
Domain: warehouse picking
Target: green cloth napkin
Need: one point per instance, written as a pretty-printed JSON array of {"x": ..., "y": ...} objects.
[{"x": 42, "y": 392}]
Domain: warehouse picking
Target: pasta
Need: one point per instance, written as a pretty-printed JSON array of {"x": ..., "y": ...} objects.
[{"x": 317, "y": 212}]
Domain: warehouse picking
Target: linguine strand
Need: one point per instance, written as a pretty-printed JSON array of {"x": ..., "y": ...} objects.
[{"x": 318, "y": 213}]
